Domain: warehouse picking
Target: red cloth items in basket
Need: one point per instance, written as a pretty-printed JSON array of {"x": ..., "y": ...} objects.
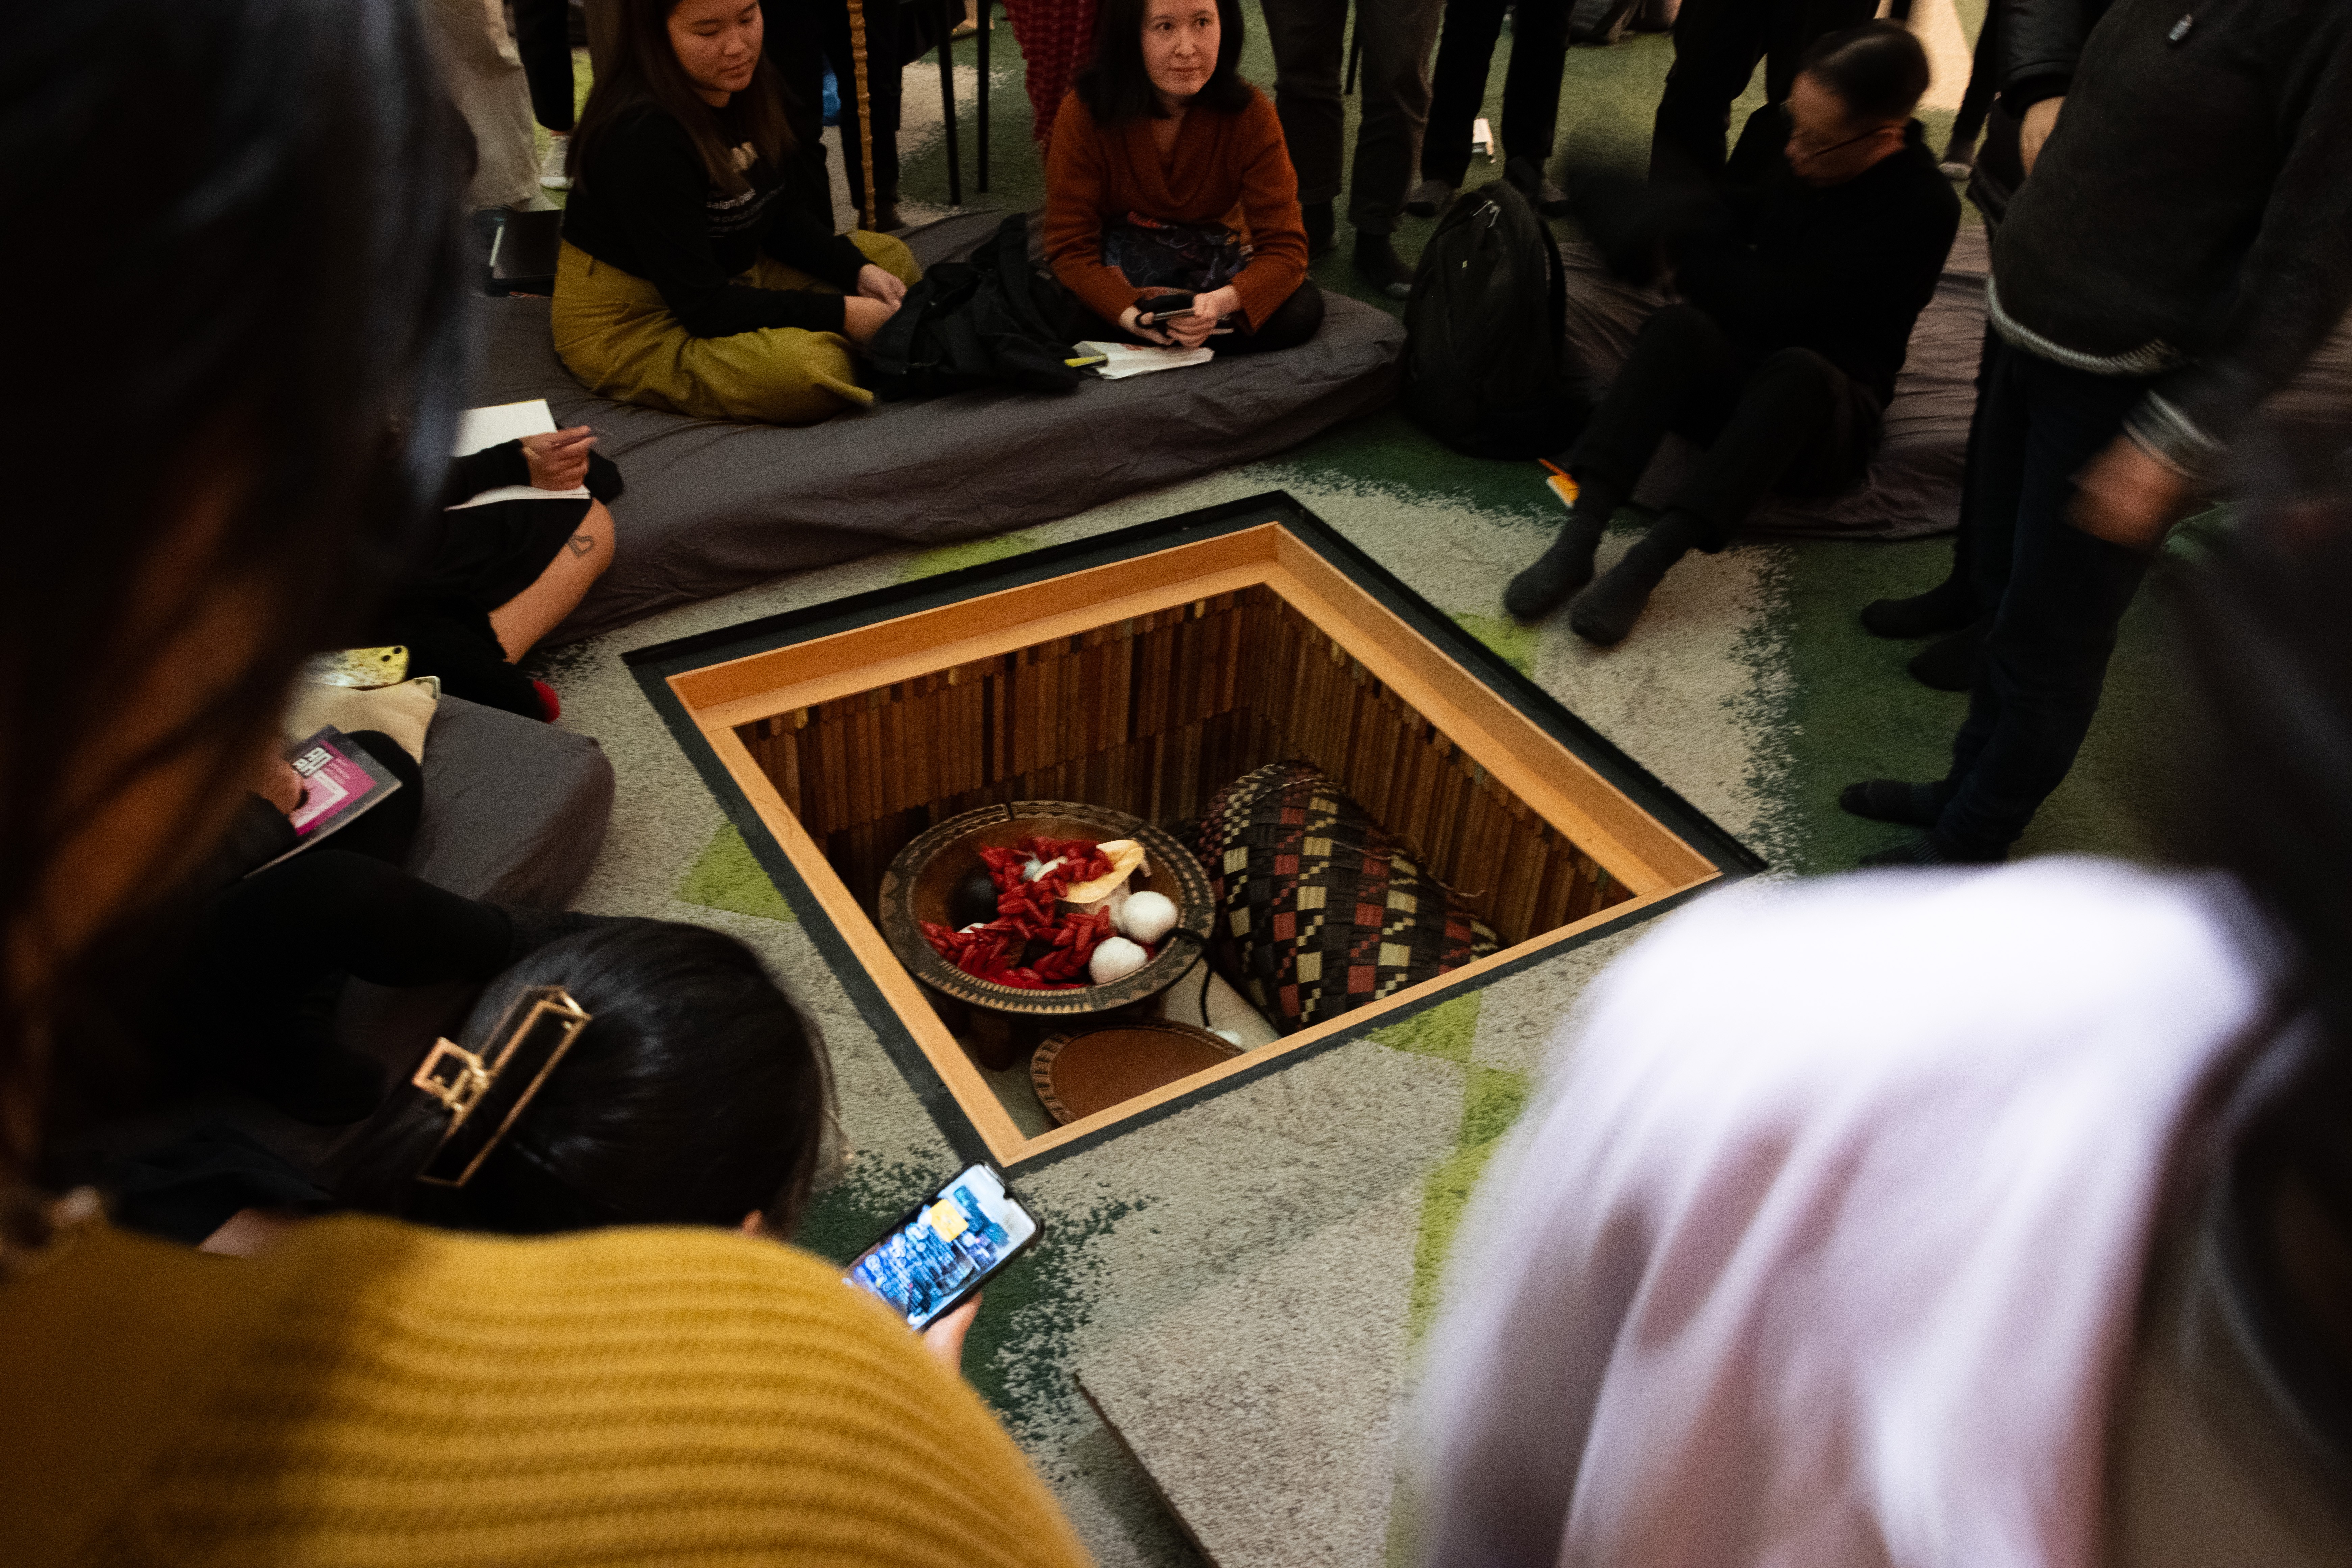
[{"x": 1032, "y": 944}]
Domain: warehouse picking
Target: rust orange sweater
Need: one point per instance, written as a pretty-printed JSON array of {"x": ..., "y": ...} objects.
[{"x": 1233, "y": 169}]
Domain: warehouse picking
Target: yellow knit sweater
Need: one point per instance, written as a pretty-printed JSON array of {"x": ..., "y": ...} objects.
[{"x": 372, "y": 1394}]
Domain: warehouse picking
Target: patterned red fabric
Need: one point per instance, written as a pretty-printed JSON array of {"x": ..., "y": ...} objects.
[{"x": 1056, "y": 37}]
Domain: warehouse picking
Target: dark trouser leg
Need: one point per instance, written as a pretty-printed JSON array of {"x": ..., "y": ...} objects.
[
  {"x": 543, "y": 39},
  {"x": 455, "y": 641},
  {"x": 1800, "y": 426},
  {"x": 1681, "y": 376},
  {"x": 883, "y": 82},
  {"x": 1795, "y": 23},
  {"x": 1466, "y": 51},
  {"x": 795, "y": 44},
  {"x": 386, "y": 830},
  {"x": 1393, "y": 89},
  {"x": 1797, "y": 423},
  {"x": 1531, "y": 84},
  {"x": 1307, "y": 37},
  {"x": 1984, "y": 81},
  {"x": 258, "y": 990},
  {"x": 1287, "y": 326},
  {"x": 1717, "y": 46},
  {"x": 329, "y": 910},
  {"x": 2054, "y": 624}
]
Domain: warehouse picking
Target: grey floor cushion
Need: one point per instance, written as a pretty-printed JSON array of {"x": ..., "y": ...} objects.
[
  {"x": 1913, "y": 487},
  {"x": 713, "y": 506}
]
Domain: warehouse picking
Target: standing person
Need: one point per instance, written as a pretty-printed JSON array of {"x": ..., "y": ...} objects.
[
  {"x": 1056, "y": 39},
  {"x": 1310, "y": 39},
  {"x": 2182, "y": 245},
  {"x": 1160, "y": 142},
  {"x": 1975, "y": 100},
  {"x": 483, "y": 75},
  {"x": 1465, "y": 50},
  {"x": 543, "y": 39},
  {"x": 1717, "y": 44},
  {"x": 368, "y": 1392},
  {"x": 1954, "y": 1218},
  {"x": 1799, "y": 295},
  {"x": 688, "y": 279},
  {"x": 804, "y": 37}
]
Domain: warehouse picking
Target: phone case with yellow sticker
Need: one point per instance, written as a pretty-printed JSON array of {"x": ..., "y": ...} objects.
[{"x": 363, "y": 668}]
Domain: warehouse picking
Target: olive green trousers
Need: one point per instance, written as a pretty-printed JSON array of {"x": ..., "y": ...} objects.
[{"x": 614, "y": 332}]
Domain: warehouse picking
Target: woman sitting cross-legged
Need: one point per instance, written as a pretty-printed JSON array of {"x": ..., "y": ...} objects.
[
  {"x": 1169, "y": 174},
  {"x": 689, "y": 281}
]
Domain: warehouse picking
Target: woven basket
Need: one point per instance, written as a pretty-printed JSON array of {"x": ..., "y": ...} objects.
[{"x": 1317, "y": 910}]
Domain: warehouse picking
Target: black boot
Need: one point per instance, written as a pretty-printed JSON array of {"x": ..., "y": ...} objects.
[
  {"x": 1945, "y": 607},
  {"x": 1892, "y": 800},
  {"x": 1606, "y": 611},
  {"x": 1379, "y": 263},
  {"x": 1928, "y": 850},
  {"x": 1953, "y": 664}
]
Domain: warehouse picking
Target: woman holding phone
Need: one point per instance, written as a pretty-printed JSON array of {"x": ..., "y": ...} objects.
[
  {"x": 689, "y": 279},
  {"x": 1169, "y": 177},
  {"x": 369, "y": 1391}
]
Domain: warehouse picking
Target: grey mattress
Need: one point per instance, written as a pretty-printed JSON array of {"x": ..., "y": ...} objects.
[{"x": 713, "y": 506}]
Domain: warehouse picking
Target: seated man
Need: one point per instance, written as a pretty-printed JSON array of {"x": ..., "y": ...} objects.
[{"x": 1801, "y": 283}]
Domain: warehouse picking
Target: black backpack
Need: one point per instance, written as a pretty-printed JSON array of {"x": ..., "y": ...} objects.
[
  {"x": 994, "y": 321},
  {"x": 1484, "y": 331}
]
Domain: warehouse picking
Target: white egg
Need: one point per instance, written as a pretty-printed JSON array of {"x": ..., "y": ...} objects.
[
  {"x": 1115, "y": 958},
  {"x": 1145, "y": 917}
]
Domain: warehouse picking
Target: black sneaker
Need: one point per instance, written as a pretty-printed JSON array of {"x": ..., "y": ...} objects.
[{"x": 1429, "y": 198}]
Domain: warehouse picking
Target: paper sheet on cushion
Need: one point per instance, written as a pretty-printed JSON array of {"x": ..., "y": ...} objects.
[
  {"x": 1123, "y": 359},
  {"x": 481, "y": 428}
]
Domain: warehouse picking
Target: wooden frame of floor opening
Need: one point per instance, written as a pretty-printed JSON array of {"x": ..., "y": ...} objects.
[{"x": 733, "y": 696}]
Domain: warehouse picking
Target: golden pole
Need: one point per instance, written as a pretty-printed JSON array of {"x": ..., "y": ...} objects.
[{"x": 865, "y": 104}]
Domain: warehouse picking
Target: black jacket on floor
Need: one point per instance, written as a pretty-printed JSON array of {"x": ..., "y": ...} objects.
[
  {"x": 2194, "y": 203},
  {"x": 1844, "y": 270}
]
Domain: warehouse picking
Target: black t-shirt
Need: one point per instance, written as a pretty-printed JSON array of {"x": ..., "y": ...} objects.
[{"x": 645, "y": 204}]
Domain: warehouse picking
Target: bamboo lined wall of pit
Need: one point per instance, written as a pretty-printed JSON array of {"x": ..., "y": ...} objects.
[{"x": 1152, "y": 716}]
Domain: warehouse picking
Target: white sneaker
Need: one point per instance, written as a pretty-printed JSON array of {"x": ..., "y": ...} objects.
[{"x": 551, "y": 168}]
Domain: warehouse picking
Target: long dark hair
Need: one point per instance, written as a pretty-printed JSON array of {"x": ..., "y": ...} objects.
[
  {"x": 644, "y": 72},
  {"x": 697, "y": 1094},
  {"x": 237, "y": 261},
  {"x": 2270, "y": 656},
  {"x": 1115, "y": 87}
]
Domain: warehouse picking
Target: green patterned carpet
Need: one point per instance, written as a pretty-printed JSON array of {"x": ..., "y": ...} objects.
[{"x": 1226, "y": 1256}]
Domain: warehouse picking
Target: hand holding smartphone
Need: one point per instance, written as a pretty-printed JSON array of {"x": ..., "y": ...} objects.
[{"x": 946, "y": 1248}]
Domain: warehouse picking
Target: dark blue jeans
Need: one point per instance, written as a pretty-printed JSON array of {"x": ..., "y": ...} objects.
[{"x": 2057, "y": 594}]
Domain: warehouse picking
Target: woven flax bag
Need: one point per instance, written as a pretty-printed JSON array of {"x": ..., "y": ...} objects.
[{"x": 1318, "y": 909}]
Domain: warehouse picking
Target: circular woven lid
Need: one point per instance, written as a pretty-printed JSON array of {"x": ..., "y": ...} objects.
[{"x": 1087, "y": 1071}]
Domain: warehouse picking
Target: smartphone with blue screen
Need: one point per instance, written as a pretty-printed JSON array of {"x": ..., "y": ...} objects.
[{"x": 947, "y": 1247}]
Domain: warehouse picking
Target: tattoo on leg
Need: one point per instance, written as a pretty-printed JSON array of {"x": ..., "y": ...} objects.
[{"x": 582, "y": 544}]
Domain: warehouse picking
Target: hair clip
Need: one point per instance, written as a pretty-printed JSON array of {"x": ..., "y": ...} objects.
[{"x": 486, "y": 1093}]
